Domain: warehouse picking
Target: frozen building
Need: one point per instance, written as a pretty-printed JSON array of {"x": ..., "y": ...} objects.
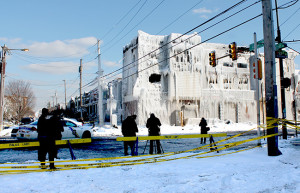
[{"x": 189, "y": 88}]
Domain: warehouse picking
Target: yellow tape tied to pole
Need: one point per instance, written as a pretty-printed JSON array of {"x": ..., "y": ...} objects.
[
  {"x": 170, "y": 137},
  {"x": 36, "y": 143}
]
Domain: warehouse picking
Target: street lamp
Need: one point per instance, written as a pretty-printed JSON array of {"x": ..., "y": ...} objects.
[{"x": 5, "y": 50}]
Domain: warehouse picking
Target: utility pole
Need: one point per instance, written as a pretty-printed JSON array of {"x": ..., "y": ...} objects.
[
  {"x": 270, "y": 77},
  {"x": 283, "y": 108},
  {"x": 55, "y": 98},
  {"x": 52, "y": 101},
  {"x": 2, "y": 85},
  {"x": 295, "y": 104},
  {"x": 257, "y": 90},
  {"x": 5, "y": 50},
  {"x": 65, "y": 95},
  {"x": 111, "y": 99},
  {"x": 80, "y": 86},
  {"x": 100, "y": 93}
]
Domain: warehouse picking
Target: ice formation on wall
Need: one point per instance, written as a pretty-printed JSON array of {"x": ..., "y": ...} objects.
[{"x": 188, "y": 83}]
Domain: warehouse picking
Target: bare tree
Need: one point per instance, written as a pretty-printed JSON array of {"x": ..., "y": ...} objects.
[{"x": 19, "y": 100}]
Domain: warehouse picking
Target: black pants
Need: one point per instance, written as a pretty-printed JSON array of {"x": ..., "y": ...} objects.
[
  {"x": 158, "y": 147},
  {"x": 47, "y": 145},
  {"x": 43, "y": 148},
  {"x": 203, "y": 140},
  {"x": 131, "y": 145}
]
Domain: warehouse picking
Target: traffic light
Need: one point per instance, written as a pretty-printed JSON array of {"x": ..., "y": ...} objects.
[
  {"x": 286, "y": 82},
  {"x": 154, "y": 78},
  {"x": 259, "y": 69},
  {"x": 232, "y": 51},
  {"x": 212, "y": 58}
]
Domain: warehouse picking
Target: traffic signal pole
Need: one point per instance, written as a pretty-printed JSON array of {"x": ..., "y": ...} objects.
[
  {"x": 283, "y": 108},
  {"x": 270, "y": 77},
  {"x": 257, "y": 90}
]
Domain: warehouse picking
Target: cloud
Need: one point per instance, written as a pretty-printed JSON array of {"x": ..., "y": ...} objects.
[
  {"x": 111, "y": 63},
  {"x": 73, "y": 48},
  {"x": 53, "y": 67},
  {"x": 58, "y": 67},
  {"x": 9, "y": 42},
  {"x": 203, "y": 12}
]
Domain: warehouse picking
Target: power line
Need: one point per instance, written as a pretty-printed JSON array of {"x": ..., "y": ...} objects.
[
  {"x": 207, "y": 21},
  {"x": 126, "y": 24},
  {"x": 291, "y": 31},
  {"x": 195, "y": 45},
  {"x": 179, "y": 17},
  {"x": 122, "y": 18},
  {"x": 293, "y": 49},
  {"x": 293, "y": 3},
  {"x": 135, "y": 25},
  {"x": 290, "y": 17},
  {"x": 291, "y": 41}
]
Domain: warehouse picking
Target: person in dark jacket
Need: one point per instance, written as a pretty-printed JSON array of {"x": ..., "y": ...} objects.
[
  {"x": 129, "y": 129},
  {"x": 54, "y": 133},
  {"x": 42, "y": 129},
  {"x": 57, "y": 128},
  {"x": 153, "y": 124},
  {"x": 204, "y": 129}
]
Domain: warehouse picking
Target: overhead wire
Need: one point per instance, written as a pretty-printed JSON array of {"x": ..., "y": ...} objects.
[
  {"x": 290, "y": 17},
  {"x": 206, "y": 28},
  {"x": 135, "y": 26},
  {"x": 207, "y": 21},
  {"x": 127, "y": 24},
  {"x": 122, "y": 18},
  {"x": 194, "y": 46},
  {"x": 176, "y": 44},
  {"x": 291, "y": 31},
  {"x": 179, "y": 17},
  {"x": 293, "y": 49},
  {"x": 293, "y": 3}
]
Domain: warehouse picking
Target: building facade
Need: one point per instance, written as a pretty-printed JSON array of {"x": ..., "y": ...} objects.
[{"x": 189, "y": 88}]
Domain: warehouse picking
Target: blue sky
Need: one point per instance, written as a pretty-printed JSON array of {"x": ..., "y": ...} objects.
[{"x": 60, "y": 33}]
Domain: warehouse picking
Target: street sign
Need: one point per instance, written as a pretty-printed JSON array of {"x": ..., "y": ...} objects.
[
  {"x": 260, "y": 44},
  {"x": 280, "y": 46},
  {"x": 281, "y": 54}
]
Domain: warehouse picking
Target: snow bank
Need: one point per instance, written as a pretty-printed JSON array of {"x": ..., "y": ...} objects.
[{"x": 248, "y": 171}]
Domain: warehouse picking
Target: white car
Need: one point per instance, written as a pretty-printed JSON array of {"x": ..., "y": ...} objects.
[{"x": 72, "y": 129}]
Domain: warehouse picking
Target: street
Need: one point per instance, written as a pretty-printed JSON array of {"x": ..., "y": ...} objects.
[{"x": 109, "y": 148}]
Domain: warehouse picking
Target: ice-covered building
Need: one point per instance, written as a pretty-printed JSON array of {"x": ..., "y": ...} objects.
[{"x": 189, "y": 87}]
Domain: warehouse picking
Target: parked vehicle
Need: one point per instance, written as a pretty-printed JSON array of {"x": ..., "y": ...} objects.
[
  {"x": 72, "y": 129},
  {"x": 26, "y": 120},
  {"x": 6, "y": 132}
]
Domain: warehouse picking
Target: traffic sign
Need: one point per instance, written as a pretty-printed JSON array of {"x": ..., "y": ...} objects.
[
  {"x": 281, "y": 54},
  {"x": 260, "y": 44}
]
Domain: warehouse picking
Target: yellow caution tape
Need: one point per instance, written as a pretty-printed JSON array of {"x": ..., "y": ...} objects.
[
  {"x": 36, "y": 143},
  {"x": 133, "y": 162},
  {"x": 157, "y": 158},
  {"x": 170, "y": 137},
  {"x": 130, "y": 161},
  {"x": 126, "y": 157}
]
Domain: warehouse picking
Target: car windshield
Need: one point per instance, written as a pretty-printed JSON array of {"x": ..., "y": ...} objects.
[
  {"x": 33, "y": 123},
  {"x": 26, "y": 120}
]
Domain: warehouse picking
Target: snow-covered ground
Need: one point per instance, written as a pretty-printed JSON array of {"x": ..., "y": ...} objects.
[
  {"x": 247, "y": 171},
  {"x": 214, "y": 124}
]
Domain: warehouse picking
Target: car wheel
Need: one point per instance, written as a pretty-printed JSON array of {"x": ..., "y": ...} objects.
[{"x": 86, "y": 134}]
